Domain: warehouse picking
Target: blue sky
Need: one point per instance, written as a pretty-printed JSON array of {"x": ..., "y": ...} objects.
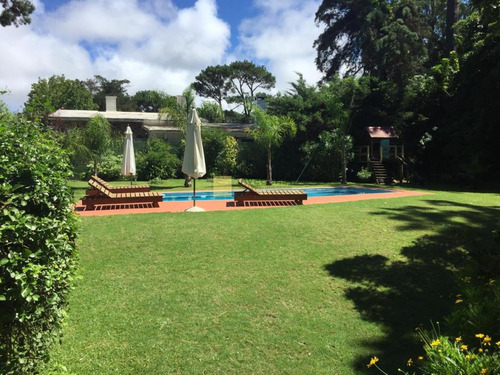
[{"x": 156, "y": 44}]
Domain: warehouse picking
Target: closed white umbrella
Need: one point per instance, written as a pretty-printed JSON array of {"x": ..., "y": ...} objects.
[
  {"x": 194, "y": 159},
  {"x": 128, "y": 162}
]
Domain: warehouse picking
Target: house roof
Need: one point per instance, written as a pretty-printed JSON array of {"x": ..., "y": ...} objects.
[
  {"x": 381, "y": 132},
  {"x": 112, "y": 116}
]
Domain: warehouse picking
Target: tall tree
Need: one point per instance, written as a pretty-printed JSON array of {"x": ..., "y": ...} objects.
[
  {"x": 101, "y": 87},
  {"x": 391, "y": 40},
  {"x": 341, "y": 99},
  {"x": 347, "y": 41},
  {"x": 270, "y": 131},
  {"x": 213, "y": 82},
  {"x": 16, "y": 12},
  {"x": 452, "y": 14},
  {"x": 96, "y": 139},
  {"x": 61, "y": 93},
  {"x": 149, "y": 100},
  {"x": 246, "y": 78}
]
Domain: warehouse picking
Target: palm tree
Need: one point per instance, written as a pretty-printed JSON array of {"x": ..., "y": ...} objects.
[{"x": 271, "y": 131}]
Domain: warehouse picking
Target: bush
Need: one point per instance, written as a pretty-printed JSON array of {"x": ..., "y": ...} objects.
[
  {"x": 37, "y": 244},
  {"x": 110, "y": 167},
  {"x": 158, "y": 161},
  {"x": 364, "y": 174},
  {"x": 220, "y": 151}
]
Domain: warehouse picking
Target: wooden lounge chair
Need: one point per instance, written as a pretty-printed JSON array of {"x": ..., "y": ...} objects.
[
  {"x": 115, "y": 189},
  {"x": 252, "y": 194},
  {"x": 106, "y": 197}
]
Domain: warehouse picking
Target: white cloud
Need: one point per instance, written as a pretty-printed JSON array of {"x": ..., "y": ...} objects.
[
  {"x": 283, "y": 37},
  {"x": 151, "y": 43}
]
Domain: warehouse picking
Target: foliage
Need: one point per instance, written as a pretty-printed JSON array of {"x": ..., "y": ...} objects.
[
  {"x": 270, "y": 131},
  {"x": 101, "y": 87},
  {"x": 213, "y": 82},
  {"x": 16, "y": 12},
  {"x": 364, "y": 174},
  {"x": 458, "y": 356},
  {"x": 177, "y": 109},
  {"x": 325, "y": 157},
  {"x": 246, "y": 78},
  {"x": 61, "y": 92},
  {"x": 37, "y": 244},
  {"x": 149, "y": 100},
  {"x": 211, "y": 112},
  {"x": 96, "y": 139},
  {"x": 57, "y": 92},
  {"x": 158, "y": 161},
  {"x": 220, "y": 150},
  {"x": 110, "y": 167},
  {"x": 236, "y": 83},
  {"x": 388, "y": 39}
]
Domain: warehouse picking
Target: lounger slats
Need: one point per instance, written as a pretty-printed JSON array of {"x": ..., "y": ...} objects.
[
  {"x": 250, "y": 193},
  {"x": 122, "y": 188},
  {"x": 125, "y": 195}
]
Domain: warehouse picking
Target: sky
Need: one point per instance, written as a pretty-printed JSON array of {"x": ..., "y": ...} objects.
[{"x": 156, "y": 44}]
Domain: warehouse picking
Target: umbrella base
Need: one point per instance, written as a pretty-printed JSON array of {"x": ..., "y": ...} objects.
[{"x": 195, "y": 209}]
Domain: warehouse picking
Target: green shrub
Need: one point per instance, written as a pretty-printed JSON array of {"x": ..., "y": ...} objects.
[
  {"x": 110, "y": 167},
  {"x": 364, "y": 174},
  {"x": 158, "y": 161},
  {"x": 37, "y": 244},
  {"x": 220, "y": 151}
]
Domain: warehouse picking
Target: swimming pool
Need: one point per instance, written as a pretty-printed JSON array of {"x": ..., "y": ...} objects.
[{"x": 179, "y": 196}]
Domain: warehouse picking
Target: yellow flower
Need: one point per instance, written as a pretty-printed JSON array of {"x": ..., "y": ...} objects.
[
  {"x": 491, "y": 282},
  {"x": 498, "y": 343},
  {"x": 372, "y": 361},
  {"x": 409, "y": 363},
  {"x": 480, "y": 350},
  {"x": 468, "y": 356},
  {"x": 459, "y": 301},
  {"x": 420, "y": 358},
  {"x": 463, "y": 347},
  {"x": 458, "y": 339},
  {"x": 479, "y": 335},
  {"x": 487, "y": 340},
  {"x": 484, "y": 371},
  {"x": 436, "y": 342}
]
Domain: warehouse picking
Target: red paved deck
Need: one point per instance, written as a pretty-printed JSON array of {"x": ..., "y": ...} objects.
[{"x": 219, "y": 205}]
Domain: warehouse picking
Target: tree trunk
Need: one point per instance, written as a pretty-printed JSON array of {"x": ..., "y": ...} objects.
[
  {"x": 452, "y": 8},
  {"x": 344, "y": 161},
  {"x": 269, "y": 167},
  {"x": 95, "y": 168}
]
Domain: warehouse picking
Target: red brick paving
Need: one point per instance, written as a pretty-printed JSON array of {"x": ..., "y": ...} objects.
[{"x": 220, "y": 205}]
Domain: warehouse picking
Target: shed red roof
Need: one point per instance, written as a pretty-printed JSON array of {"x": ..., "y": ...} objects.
[{"x": 381, "y": 132}]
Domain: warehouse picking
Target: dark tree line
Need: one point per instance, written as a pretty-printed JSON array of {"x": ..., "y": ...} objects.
[{"x": 434, "y": 68}]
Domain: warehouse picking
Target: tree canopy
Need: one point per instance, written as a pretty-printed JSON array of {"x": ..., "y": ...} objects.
[
  {"x": 61, "y": 93},
  {"x": 236, "y": 83},
  {"x": 16, "y": 12}
]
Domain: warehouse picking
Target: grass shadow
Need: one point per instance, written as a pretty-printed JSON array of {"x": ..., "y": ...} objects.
[{"x": 403, "y": 295}]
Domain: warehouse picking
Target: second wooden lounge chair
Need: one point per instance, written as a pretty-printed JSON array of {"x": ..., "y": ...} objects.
[
  {"x": 252, "y": 194},
  {"x": 106, "y": 197},
  {"x": 115, "y": 189}
]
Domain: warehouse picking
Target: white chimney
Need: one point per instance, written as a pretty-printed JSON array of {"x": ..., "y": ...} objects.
[{"x": 110, "y": 103}]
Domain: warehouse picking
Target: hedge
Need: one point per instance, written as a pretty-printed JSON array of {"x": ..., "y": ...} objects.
[{"x": 38, "y": 255}]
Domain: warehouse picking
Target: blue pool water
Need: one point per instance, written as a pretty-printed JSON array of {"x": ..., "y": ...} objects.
[{"x": 228, "y": 195}]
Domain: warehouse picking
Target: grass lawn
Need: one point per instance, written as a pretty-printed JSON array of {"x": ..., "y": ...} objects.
[{"x": 315, "y": 289}]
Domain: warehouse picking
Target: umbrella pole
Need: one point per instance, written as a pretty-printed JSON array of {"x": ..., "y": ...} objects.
[
  {"x": 194, "y": 192},
  {"x": 131, "y": 178}
]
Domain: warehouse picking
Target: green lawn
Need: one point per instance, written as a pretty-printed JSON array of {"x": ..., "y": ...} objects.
[{"x": 293, "y": 290}]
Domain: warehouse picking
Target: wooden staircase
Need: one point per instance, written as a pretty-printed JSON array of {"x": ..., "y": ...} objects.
[{"x": 380, "y": 173}]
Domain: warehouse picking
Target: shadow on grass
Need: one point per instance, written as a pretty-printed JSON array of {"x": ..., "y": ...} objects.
[{"x": 403, "y": 295}]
